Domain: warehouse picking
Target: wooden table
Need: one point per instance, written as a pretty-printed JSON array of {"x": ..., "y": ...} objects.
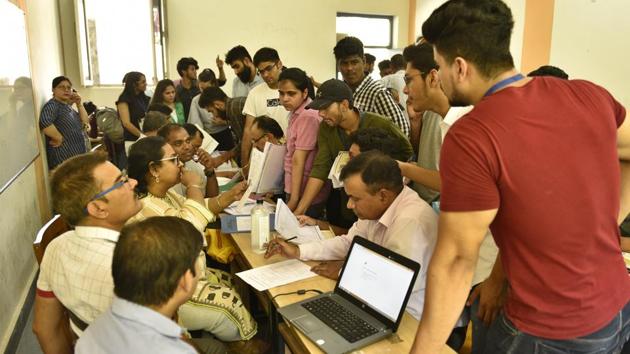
[{"x": 400, "y": 342}]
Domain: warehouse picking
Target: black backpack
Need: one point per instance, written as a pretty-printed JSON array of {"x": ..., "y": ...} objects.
[{"x": 109, "y": 123}]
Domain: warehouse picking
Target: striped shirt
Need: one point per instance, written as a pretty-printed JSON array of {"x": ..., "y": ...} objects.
[
  {"x": 68, "y": 123},
  {"x": 371, "y": 96}
]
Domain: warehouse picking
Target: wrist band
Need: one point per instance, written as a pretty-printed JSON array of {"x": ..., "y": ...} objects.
[{"x": 195, "y": 186}]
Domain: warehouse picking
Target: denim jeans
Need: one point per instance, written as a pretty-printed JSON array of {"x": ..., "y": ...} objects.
[
  {"x": 504, "y": 338},
  {"x": 479, "y": 329}
]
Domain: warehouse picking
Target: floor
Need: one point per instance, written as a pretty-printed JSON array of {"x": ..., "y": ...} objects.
[{"x": 28, "y": 342}]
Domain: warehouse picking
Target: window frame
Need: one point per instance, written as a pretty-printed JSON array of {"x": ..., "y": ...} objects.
[
  {"x": 389, "y": 18},
  {"x": 83, "y": 44}
]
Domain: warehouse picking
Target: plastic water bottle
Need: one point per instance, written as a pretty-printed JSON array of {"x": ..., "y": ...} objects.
[{"x": 260, "y": 227}]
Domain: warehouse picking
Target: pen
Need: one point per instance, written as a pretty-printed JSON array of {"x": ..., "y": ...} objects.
[{"x": 290, "y": 239}]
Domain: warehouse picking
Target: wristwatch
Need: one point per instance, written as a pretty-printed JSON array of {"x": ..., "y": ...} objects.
[{"x": 209, "y": 173}]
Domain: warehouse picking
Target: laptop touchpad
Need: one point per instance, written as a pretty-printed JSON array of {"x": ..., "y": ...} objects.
[{"x": 307, "y": 324}]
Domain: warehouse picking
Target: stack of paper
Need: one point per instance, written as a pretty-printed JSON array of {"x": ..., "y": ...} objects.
[
  {"x": 277, "y": 274},
  {"x": 208, "y": 144},
  {"x": 266, "y": 169},
  {"x": 342, "y": 159},
  {"x": 287, "y": 225}
]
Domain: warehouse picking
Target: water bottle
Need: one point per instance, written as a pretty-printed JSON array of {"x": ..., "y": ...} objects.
[{"x": 260, "y": 227}]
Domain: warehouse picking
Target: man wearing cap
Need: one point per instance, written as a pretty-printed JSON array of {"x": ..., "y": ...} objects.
[{"x": 340, "y": 118}]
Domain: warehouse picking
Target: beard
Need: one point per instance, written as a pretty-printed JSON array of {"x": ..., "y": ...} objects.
[
  {"x": 456, "y": 100},
  {"x": 245, "y": 74}
]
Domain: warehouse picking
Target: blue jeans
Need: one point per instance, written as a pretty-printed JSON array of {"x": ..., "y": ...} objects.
[
  {"x": 479, "y": 329},
  {"x": 504, "y": 338}
]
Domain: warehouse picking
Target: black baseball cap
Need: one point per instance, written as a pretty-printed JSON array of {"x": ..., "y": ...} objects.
[{"x": 331, "y": 91}]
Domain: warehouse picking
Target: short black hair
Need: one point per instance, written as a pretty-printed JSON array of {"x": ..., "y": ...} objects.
[
  {"x": 266, "y": 54},
  {"x": 369, "y": 58},
  {"x": 384, "y": 64},
  {"x": 141, "y": 154},
  {"x": 184, "y": 63},
  {"x": 549, "y": 70},
  {"x": 166, "y": 130},
  {"x": 59, "y": 79},
  {"x": 397, "y": 62},
  {"x": 210, "y": 95},
  {"x": 421, "y": 57},
  {"x": 151, "y": 256},
  {"x": 160, "y": 107},
  {"x": 269, "y": 125},
  {"x": 208, "y": 75},
  {"x": 192, "y": 129},
  {"x": 237, "y": 53},
  {"x": 373, "y": 138},
  {"x": 477, "y": 30},
  {"x": 154, "y": 120},
  {"x": 378, "y": 171},
  {"x": 347, "y": 47}
]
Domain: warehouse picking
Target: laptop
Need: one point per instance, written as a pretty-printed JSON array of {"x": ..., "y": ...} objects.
[{"x": 367, "y": 304}]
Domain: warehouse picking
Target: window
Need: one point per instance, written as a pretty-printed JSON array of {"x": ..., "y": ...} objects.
[
  {"x": 375, "y": 31},
  {"x": 118, "y": 36}
]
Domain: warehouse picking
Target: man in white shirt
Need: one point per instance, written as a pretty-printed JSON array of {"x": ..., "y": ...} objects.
[
  {"x": 93, "y": 195},
  {"x": 390, "y": 214},
  {"x": 396, "y": 80},
  {"x": 264, "y": 100}
]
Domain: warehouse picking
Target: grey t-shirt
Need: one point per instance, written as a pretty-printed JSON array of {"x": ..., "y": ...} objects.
[
  {"x": 240, "y": 89},
  {"x": 429, "y": 152},
  {"x": 203, "y": 118}
]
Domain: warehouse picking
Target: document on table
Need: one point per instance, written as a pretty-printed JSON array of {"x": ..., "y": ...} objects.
[
  {"x": 277, "y": 274},
  {"x": 288, "y": 226}
]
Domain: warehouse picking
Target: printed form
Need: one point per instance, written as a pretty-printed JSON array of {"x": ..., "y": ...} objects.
[{"x": 277, "y": 274}]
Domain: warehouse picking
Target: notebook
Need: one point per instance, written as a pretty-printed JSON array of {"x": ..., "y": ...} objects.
[{"x": 366, "y": 305}]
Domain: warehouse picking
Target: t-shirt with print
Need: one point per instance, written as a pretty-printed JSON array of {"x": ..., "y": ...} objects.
[
  {"x": 545, "y": 156},
  {"x": 265, "y": 101}
]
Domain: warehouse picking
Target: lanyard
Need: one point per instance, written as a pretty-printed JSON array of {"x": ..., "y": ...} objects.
[{"x": 501, "y": 84}]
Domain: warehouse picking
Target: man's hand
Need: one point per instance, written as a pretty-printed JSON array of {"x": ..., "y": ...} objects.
[
  {"x": 329, "y": 269},
  {"x": 219, "y": 63},
  {"x": 292, "y": 204},
  {"x": 219, "y": 121},
  {"x": 306, "y": 220},
  {"x": 491, "y": 296},
  {"x": 279, "y": 246},
  {"x": 205, "y": 159}
]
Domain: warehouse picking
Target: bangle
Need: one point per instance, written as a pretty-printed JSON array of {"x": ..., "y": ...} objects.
[
  {"x": 218, "y": 200},
  {"x": 195, "y": 186},
  {"x": 209, "y": 173}
]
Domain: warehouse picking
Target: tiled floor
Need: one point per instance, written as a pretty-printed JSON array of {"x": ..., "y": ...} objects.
[{"x": 28, "y": 342}]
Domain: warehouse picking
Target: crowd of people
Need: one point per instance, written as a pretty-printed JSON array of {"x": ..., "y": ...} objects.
[{"x": 507, "y": 189}]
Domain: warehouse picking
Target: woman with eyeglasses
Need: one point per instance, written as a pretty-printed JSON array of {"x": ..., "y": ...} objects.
[
  {"x": 165, "y": 94},
  {"x": 296, "y": 92},
  {"x": 156, "y": 167},
  {"x": 62, "y": 125}
]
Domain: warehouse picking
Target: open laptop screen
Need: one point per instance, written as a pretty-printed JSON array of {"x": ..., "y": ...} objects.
[{"x": 376, "y": 280}]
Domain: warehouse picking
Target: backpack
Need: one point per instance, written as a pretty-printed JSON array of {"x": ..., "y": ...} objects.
[{"x": 108, "y": 122}]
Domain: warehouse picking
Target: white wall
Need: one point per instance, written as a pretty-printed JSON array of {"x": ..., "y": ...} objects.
[
  {"x": 20, "y": 216},
  {"x": 424, "y": 8},
  {"x": 590, "y": 41}
]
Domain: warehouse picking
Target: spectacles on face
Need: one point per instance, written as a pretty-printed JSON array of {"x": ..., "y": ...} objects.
[
  {"x": 176, "y": 158},
  {"x": 254, "y": 141},
  {"x": 266, "y": 69},
  {"x": 409, "y": 78},
  {"x": 64, "y": 87}
]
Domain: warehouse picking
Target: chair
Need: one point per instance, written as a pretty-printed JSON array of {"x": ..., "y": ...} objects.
[{"x": 53, "y": 228}]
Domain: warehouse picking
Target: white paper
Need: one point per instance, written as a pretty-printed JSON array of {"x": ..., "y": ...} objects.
[
  {"x": 208, "y": 144},
  {"x": 266, "y": 168},
  {"x": 335, "y": 171},
  {"x": 277, "y": 274},
  {"x": 244, "y": 198},
  {"x": 288, "y": 226},
  {"x": 247, "y": 208}
]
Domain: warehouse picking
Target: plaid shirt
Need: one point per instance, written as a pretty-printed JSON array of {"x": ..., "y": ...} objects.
[
  {"x": 371, "y": 96},
  {"x": 77, "y": 270}
]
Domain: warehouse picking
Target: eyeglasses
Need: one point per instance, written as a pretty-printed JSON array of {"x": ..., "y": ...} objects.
[
  {"x": 408, "y": 78},
  {"x": 267, "y": 69},
  {"x": 254, "y": 141},
  {"x": 176, "y": 158},
  {"x": 123, "y": 179}
]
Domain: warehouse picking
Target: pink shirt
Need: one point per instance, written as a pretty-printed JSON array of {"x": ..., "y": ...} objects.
[
  {"x": 408, "y": 227},
  {"x": 302, "y": 135}
]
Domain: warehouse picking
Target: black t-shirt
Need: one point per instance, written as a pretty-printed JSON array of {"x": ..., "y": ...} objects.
[
  {"x": 138, "y": 105},
  {"x": 185, "y": 95}
]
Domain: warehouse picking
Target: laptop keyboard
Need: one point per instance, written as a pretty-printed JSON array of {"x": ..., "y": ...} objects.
[{"x": 345, "y": 323}]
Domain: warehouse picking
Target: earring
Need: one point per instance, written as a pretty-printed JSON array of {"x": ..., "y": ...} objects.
[{"x": 157, "y": 178}]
